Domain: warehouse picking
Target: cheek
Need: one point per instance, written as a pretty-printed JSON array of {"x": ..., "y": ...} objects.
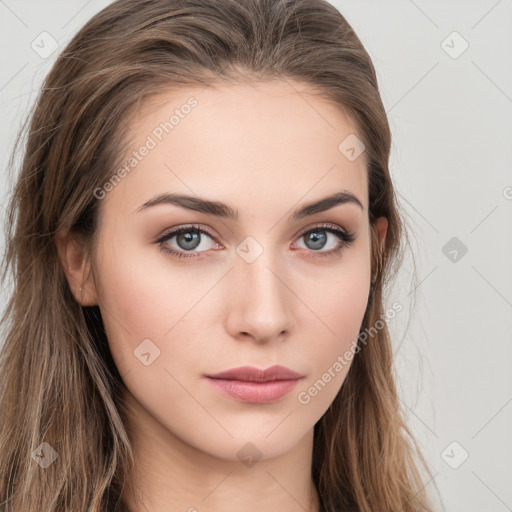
[
  {"x": 345, "y": 306},
  {"x": 340, "y": 310},
  {"x": 133, "y": 300},
  {"x": 340, "y": 299},
  {"x": 143, "y": 296}
]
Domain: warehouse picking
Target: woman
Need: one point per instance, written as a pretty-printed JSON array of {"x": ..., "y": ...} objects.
[{"x": 199, "y": 238}]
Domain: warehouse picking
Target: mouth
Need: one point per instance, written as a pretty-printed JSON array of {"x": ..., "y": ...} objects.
[
  {"x": 252, "y": 385},
  {"x": 254, "y": 392}
]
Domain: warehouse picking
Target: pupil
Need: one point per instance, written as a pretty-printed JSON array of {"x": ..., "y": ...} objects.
[
  {"x": 190, "y": 240},
  {"x": 317, "y": 239}
]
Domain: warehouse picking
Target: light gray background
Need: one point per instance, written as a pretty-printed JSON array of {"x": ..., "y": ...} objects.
[{"x": 451, "y": 118}]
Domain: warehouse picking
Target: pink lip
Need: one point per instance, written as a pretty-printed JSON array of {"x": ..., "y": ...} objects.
[{"x": 252, "y": 385}]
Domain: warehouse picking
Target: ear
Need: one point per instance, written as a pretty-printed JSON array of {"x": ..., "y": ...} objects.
[
  {"x": 378, "y": 239},
  {"x": 73, "y": 258},
  {"x": 381, "y": 225}
]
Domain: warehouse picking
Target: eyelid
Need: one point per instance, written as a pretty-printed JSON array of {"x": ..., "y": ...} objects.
[
  {"x": 192, "y": 227},
  {"x": 198, "y": 227},
  {"x": 320, "y": 225}
]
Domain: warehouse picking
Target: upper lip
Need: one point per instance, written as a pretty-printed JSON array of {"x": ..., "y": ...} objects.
[{"x": 251, "y": 374}]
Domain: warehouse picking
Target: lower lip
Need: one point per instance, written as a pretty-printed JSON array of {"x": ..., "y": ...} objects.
[{"x": 254, "y": 392}]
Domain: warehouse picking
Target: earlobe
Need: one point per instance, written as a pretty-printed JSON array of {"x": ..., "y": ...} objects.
[{"x": 75, "y": 263}]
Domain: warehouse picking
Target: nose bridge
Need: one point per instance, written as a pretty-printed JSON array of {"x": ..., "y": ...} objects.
[{"x": 262, "y": 281}]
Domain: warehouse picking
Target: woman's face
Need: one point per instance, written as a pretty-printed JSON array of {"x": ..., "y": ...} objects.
[{"x": 257, "y": 283}]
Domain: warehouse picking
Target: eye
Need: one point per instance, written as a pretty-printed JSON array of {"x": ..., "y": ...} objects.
[
  {"x": 187, "y": 238},
  {"x": 318, "y": 238},
  {"x": 192, "y": 237}
]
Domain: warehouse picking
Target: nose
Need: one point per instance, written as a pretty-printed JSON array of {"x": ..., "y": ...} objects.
[{"x": 261, "y": 302}]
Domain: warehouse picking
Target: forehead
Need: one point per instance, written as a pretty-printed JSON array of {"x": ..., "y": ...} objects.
[{"x": 255, "y": 144}]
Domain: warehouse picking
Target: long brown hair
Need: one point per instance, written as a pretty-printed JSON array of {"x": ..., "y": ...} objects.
[{"x": 58, "y": 382}]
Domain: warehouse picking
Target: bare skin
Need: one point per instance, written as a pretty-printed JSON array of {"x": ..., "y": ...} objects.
[{"x": 265, "y": 151}]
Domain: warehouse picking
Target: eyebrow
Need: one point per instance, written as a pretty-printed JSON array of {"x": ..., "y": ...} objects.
[{"x": 223, "y": 210}]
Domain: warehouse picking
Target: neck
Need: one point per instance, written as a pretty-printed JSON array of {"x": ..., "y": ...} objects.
[{"x": 171, "y": 474}]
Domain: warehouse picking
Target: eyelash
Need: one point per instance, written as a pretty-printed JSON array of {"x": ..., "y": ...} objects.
[{"x": 346, "y": 239}]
